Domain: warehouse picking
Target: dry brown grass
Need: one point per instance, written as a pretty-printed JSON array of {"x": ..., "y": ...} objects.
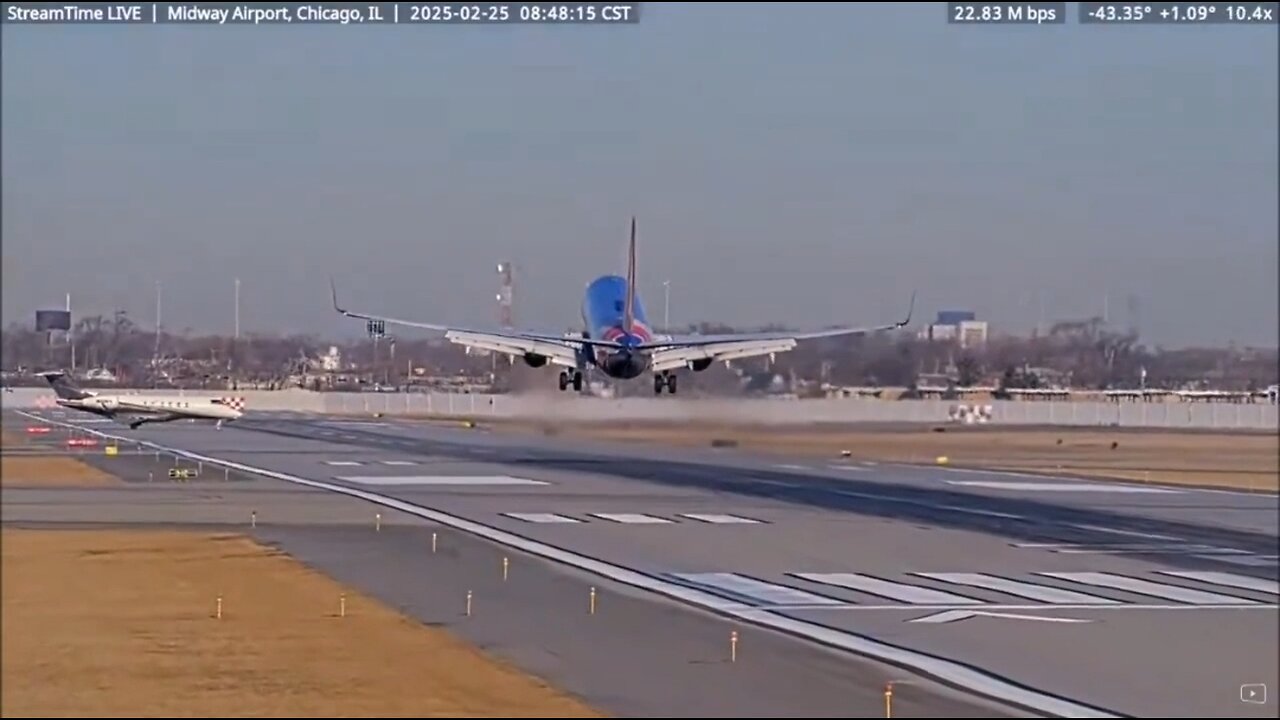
[
  {"x": 122, "y": 624},
  {"x": 1250, "y": 461},
  {"x": 44, "y": 471},
  {"x": 10, "y": 439}
]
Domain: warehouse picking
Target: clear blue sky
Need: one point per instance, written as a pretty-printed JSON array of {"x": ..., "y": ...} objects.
[{"x": 788, "y": 163}]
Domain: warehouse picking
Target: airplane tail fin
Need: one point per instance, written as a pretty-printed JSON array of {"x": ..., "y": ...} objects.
[
  {"x": 63, "y": 387},
  {"x": 629, "y": 311}
]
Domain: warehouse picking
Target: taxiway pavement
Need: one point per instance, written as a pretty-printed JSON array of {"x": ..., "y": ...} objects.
[{"x": 1134, "y": 600}]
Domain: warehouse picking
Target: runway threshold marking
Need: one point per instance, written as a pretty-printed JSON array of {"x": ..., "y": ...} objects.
[
  {"x": 632, "y": 518},
  {"x": 950, "y": 616},
  {"x": 718, "y": 519},
  {"x": 543, "y": 518},
  {"x": 948, "y": 671},
  {"x": 1146, "y": 587}
]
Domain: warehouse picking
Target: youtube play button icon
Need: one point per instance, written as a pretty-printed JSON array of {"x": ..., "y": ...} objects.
[{"x": 1253, "y": 693}]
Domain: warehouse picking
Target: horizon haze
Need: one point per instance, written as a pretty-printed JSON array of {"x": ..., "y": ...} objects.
[{"x": 800, "y": 164}]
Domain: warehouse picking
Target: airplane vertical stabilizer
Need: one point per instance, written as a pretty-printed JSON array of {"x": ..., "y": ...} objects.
[{"x": 628, "y": 313}]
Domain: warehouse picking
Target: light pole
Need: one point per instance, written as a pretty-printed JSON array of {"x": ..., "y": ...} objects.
[
  {"x": 237, "y": 308},
  {"x": 666, "y": 306}
]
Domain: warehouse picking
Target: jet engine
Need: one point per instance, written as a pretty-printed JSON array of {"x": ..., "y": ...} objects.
[
  {"x": 535, "y": 360},
  {"x": 700, "y": 364}
]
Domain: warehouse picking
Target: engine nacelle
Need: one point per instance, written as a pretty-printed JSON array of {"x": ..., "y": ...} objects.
[
  {"x": 535, "y": 360},
  {"x": 700, "y": 364}
]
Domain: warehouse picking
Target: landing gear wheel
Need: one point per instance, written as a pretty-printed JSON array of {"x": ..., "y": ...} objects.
[
  {"x": 658, "y": 383},
  {"x": 577, "y": 381},
  {"x": 671, "y": 384},
  {"x": 564, "y": 380}
]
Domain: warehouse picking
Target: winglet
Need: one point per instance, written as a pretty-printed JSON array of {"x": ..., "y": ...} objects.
[
  {"x": 333, "y": 286},
  {"x": 910, "y": 309}
]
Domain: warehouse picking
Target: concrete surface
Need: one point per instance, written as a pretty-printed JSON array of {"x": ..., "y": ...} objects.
[
  {"x": 566, "y": 406},
  {"x": 637, "y": 656},
  {"x": 1112, "y": 632}
]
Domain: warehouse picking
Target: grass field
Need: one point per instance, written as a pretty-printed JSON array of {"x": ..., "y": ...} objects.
[
  {"x": 51, "y": 472},
  {"x": 33, "y": 470},
  {"x": 123, "y": 624},
  {"x": 1249, "y": 461}
]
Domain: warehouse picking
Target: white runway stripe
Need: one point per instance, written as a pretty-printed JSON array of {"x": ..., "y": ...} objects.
[
  {"x": 720, "y": 519},
  {"x": 1244, "y": 582},
  {"x": 911, "y": 594},
  {"x": 755, "y": 591},
  {"x": 342, "y": 463},
  {"x": 543, "y": 518},
  {"x": 1031, "y": 591},
  {"x": 1059, "y": 487},
  {"x": 1245, "y": 560},
  {"x": 399, "y": 462},
  {"x": 1146, "y": 587},
  {"x": 1126, "y": 533},
  {"x": 439, "y": 480},
  {"x": 632, "y": 518}
]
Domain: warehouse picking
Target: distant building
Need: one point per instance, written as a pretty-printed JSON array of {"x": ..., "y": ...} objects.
[
  {"x": 955, "y": 317},
  {"x": 973, "y": 333},
  {"x": 960, "y": 326}
]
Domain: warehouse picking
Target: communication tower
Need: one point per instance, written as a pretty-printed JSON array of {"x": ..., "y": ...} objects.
[{"x": 505, "y": 293}]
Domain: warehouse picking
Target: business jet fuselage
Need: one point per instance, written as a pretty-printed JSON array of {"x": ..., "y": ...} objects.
[{"x": 138, "y": 410}]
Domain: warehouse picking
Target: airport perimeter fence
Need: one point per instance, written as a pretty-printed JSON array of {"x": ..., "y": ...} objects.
[{"x": 1195, "y": 415}]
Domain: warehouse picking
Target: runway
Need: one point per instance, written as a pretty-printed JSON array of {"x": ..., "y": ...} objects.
[{"x": 1087, "y": 595}]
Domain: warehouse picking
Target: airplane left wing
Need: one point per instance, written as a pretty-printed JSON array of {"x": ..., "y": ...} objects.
[{"x": 559, "y": 349}]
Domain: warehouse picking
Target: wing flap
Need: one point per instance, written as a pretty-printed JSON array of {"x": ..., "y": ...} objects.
[
  {"x": 558, "y": 352},
  {"x": 672, "y": 358}
]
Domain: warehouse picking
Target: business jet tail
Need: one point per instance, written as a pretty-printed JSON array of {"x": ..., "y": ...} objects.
[{"x": 63, "y": 387}]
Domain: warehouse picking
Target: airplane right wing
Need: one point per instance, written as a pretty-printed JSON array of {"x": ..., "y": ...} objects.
[
  {"x": 558, "y": 349},
  {"x": 672, "y": 353}
]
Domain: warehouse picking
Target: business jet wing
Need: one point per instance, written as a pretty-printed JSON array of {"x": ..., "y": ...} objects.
[
  {"x": 558, "y": 349},
  {"x": 678, "y": 351}
]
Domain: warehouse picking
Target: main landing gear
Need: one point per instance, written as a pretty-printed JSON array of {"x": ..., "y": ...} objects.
[
  {"x": 665, "y": 379},
  {"x": 571, "y": 377}
]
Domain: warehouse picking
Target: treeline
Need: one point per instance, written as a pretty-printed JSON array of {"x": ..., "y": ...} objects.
[{"x": 1082, "y": 354}]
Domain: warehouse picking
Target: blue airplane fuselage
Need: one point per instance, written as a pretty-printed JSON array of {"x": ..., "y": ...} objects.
[{"x": 603, "y": 318}]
